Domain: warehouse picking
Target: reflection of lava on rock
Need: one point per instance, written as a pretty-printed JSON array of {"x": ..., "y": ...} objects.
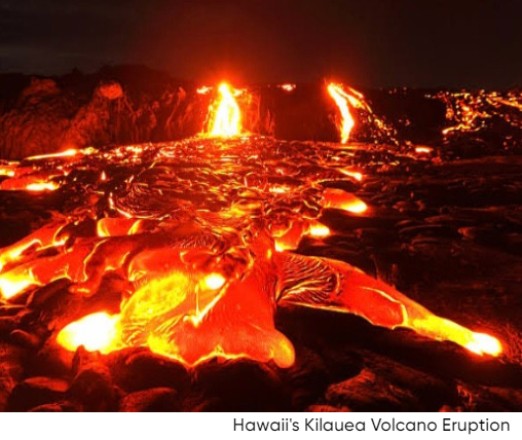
[{"x": 198, "y": 249}]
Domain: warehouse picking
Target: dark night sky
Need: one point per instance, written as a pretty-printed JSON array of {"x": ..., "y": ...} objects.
[{"x": 365, "y": 42}]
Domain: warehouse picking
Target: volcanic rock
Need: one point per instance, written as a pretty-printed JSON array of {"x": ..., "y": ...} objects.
[
  {"x": 369, "y": 392},
  {"x": 25, "y": 339},
  {"x": 138, "y": 369},
  {"x": 238, "y": 385},
  {"x": 307, "y": 378},
  {"x": 8, "y": 324},
  {"x": 62, "y": 406},
  {"x": 327, "y": 408},
  {"x": 10, "y": 309},
  {"x": 482, "y": 398},
  {"x": 51, "y": 360},
  {"x": 93, "y": 388},
  {"x": 36, "y": 391},
  {"x": 11, "y": 370},
  {"x": 151, "y": 400},
  {"x": 83, "y": 358},
  {"x": 39, "y": 119}
]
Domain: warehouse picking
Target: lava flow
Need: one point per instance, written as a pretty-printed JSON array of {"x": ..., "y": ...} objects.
[
  {"x": 202, "y": 239},
  {"x": 344, "y": 101},
  {"x": 471, "y": 112}
]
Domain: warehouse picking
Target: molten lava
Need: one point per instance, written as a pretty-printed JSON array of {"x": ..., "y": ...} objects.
[
  {"x": 42, "y": 186},
  {"x": 28, "y": 183},
  {"x": 338, "y": 199},
  {"x": 287, "y": 87},
  {"x": 345, "y": 101},
  {"x": 96, "y": 332},
  {"x": 50, "y": 236},
  {"x": 225, "y": 114},
  {"x": 201, "y": 238},
  {"x": 318, "y": 230},
  {"x": 7, "y": 170},
  {"x": 357, "y": 175},
  {"x": 471, "y": 112}
]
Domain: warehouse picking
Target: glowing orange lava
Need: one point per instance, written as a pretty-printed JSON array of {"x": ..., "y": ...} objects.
[
  {"x": 344, "y": 101},
  {"x": 71, "y": 152},
  {"x": 356, "y": 292},
  {"x": 96, "y": 332},
  {"x": 110, "y": 227},
  {"x": 6, "y": 170},
  {"x": 67, "y": 153},
  {"x": 421, "y": 149},
  {"x": 42, "y": 186},
  {"x": 318, "y": 230},
  {"x": 357, "y": 175},
  {"x": 50, "y": 236},
  {"x": 443, "y": 329},
  {"x": 186, "y": 311},
  {"x": 203, "y": 90},
  {"x": 482, "y": 343},
  {"x": 287, "y": 87},
  {"x": 213, "y": 281},
  {"x": 225, "y": 114},
  {"x": 12, "y": 284},
  {"x": 469, "y": 112},
  {"x": 187, "y": 315},
  {"x": 338, "y": 199},
  {"x": 28, "y": 183},
  {"x": 200, "y": 282}
]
